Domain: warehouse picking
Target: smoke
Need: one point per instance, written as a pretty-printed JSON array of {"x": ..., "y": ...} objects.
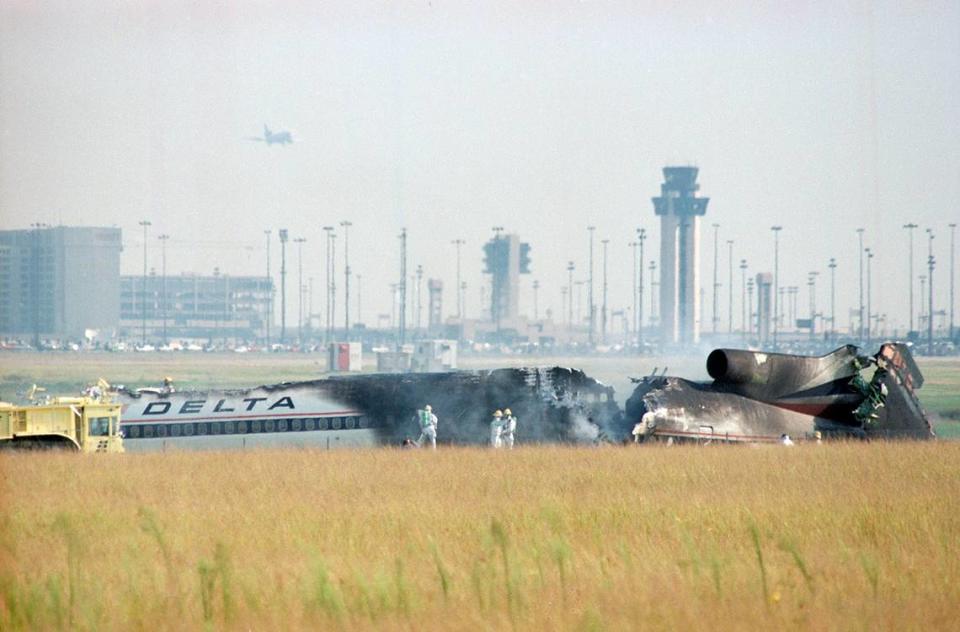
[{"x": 581, "y": 429}]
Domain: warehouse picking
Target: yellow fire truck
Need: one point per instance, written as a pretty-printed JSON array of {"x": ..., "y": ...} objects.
[{"x": 90, "y": 423}]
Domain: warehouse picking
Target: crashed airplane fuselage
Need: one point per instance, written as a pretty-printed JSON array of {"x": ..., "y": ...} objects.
[
  {"x": 759, "y": 397},
  {"x": 552, "y": 404}
]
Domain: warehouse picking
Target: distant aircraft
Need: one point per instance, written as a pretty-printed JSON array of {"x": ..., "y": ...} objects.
[{"x": 270, "y": 138}]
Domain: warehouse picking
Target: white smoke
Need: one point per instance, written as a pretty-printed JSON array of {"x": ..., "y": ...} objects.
[{"x": 582, "y": 429}]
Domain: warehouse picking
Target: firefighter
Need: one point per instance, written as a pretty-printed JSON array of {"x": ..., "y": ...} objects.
[
  {"x": 428, "y": 426},
  {"x": 509, "y": 428},
  {"x": 496, "y": 429}
]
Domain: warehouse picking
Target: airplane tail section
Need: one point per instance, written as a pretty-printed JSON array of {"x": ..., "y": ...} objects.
[{"x": 901, "y": 414}]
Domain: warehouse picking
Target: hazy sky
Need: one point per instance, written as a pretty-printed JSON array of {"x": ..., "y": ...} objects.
[{"x": 451, "y": 118}]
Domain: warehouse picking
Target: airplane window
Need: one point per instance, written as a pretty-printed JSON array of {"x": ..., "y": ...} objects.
[
  {"x": 203, "y": 428},
  {"x": 255, "y": 426},
  {"x": 335, "y": 423},
  {"x": 350, "y": 423},
  {"x": 296, "y": 425},
  {"x": 268, "y": 425},
  {"x": 134, "y": 432},
  {"x": 281, "y": 425},
  {"x": 147, "y": 431},
  {"x": 187, "y": 430},
  {"x": 229, "y": 427},
  {"x": 175, "y": 430},
  {"x": 161, "y": 430}
]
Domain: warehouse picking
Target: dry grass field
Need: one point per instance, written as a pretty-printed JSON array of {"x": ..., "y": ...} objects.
[{"x": 838, "y": 536}]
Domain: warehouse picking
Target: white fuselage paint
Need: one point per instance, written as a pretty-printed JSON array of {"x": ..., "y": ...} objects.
[{"x": 259, "y": 418}]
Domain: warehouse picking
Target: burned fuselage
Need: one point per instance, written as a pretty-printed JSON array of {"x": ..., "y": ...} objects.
[
  {"x": 553, "y": 404},
  {"x": 758, "y": 397}
]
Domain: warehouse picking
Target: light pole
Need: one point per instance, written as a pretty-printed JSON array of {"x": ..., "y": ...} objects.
[
  {"x": 566, "y": 300},
  {"x": 833, "y": 314},
  {"x": 910, "y": 228},
  {"x": 346, "y": 276},
  {"x": 923, "y": 293},
  {"x": 750, "y": 306},
  {"x": 299, "y": 241},
  {"x": 860, "y": 249},
  {"x": 603, "y": 323},
  {"x": 869, "y": 254},
  {"x": 930, "y": 266},
  {"x": 328, "y": 283},
  {"x": 743, "y": 297},
  {"x": 653, "y": 292},
  {"x": 952, "y": 267},
  {"x": 163, "y": 282},
  {"x": 459, "y": 242},
  {"x": 536, "y": 306},
  {"x": 641, "y": 237},
  {"x": 419, "y": 302},
  {"x": 590, "y": 309},
  {"x": 269, "y": 290},
  {"x": 283, "y": 285},
  {"x": 716, "y": 283},
  {"x": 403, "y": 285},
  {"x": 633, "y": 245},
  {"x": 730, "y": 286},
  {"x": 35, "y": 281},
  {"x": 776, "y": 280},
  {"x": 812, "y": 283},
  {"x": 143, "y": 307}
]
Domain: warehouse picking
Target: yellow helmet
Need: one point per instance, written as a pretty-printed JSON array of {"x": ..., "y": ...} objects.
[
  {"x": 506, "y": 411},
  {"x": 498, "y": 414}
]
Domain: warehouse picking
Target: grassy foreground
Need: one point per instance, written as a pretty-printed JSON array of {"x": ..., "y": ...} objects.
[{"x": 838, "y": 536}]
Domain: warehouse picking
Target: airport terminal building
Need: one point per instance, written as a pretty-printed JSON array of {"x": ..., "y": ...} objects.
[
  {"x": 213, "y": 308},
  {"x": 59, "y": 282}
]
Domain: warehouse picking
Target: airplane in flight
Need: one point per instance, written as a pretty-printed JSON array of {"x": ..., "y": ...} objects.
[{"x": 282, "y": 137}]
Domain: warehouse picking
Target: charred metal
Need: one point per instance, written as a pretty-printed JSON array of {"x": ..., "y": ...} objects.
[{"x": 757, "y": 396}]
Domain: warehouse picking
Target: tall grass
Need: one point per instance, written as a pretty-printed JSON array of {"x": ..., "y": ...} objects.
[{"x": 837, "y": 536}]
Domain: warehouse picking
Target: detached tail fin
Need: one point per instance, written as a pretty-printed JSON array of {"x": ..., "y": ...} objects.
[{"x": 902, "y": 415}]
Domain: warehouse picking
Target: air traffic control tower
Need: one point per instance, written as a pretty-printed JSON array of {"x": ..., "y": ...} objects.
[{"x": 680, "y": 210}]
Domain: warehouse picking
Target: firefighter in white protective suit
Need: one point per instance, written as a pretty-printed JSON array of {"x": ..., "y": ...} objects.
[
  {"x": 496, "y": 429},
  {"x": 508, "y": 430},
  {"x": 428, "y": 426}
]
